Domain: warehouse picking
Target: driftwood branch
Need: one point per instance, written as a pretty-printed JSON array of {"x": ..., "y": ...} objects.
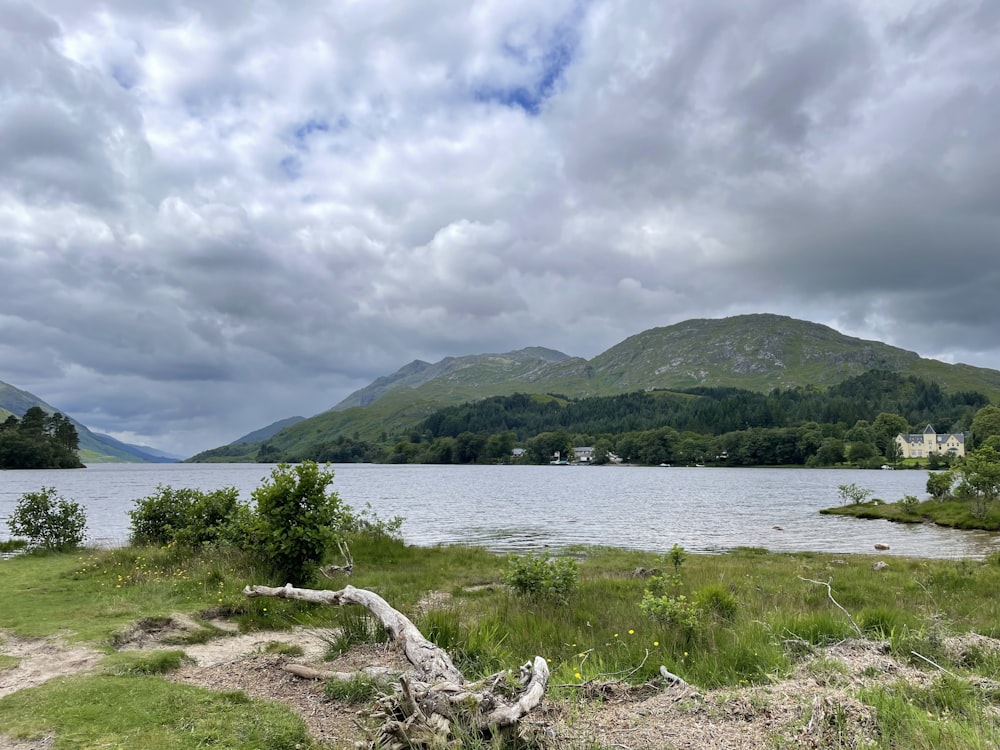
[
  {"x": 434, "y": 705},
  {"x": 829, "y": 593},
  {"x": 346, "y": 569}
]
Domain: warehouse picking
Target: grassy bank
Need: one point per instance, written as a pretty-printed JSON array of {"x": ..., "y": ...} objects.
[
  {"x": 750, "y": 616},
  {"x": 956, "y": 514}
]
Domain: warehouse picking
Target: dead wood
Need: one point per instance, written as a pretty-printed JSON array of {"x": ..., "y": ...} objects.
[
  {"x": 346, "y": 569},
  {"x": 434, "y": 706}
]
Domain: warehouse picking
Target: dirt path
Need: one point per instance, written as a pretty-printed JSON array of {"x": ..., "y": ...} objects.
[{"x": 812, "y": 708}]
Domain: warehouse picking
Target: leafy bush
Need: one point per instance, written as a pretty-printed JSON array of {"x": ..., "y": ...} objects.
[
  {"x": 48, "y": 521},
  {"x": 189, "y": 518},
  {"x": 540, "y": 577},
  {"x": 672, "y": 610},
  {"x": 297, "y": 521},
  {"x": 909, "y": 502},
  {"x": 851, "y": 493}
]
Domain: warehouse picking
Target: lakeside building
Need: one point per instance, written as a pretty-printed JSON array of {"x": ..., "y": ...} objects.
[{"x": 931, "y": 443}]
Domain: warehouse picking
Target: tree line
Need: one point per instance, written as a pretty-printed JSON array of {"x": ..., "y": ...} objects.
[
  {"x": 39, "y": 440},
  {"x": 854, "y": 422}
]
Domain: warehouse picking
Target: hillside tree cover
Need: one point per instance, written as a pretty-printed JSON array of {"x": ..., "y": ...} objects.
[
  {"x": 855, "y": 421},
  {"x": 39, "y": 441}
]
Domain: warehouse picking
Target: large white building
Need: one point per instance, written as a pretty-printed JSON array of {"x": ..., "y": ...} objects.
[{"x": 930, "y": 443}]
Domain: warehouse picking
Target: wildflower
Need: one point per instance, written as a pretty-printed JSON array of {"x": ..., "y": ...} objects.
[
  {"x": 578, "y": 676},
  {"x": 631, "y": 632},
  {"x": 616, "y": 635},
  {"x": 656, "y": 643}
]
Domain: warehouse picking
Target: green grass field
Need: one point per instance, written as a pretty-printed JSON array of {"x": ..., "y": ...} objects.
[{"x": 747, "y": 607}]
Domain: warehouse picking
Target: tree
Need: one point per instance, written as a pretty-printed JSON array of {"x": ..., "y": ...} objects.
[
  {"x": 886, "y": 427},
  {"x": 979, "y": 480},
  {"x": 48, "y": 521},
  {"x": 296, "y": 521},
  {"x": 939, "y": 484},
  {"x": 543, "y": 447},
  {"x": 986, "y": 424},
  {"x": 830, "y": 452}
]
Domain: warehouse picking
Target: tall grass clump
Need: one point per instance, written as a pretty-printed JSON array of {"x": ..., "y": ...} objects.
[{"x": 949, "y": 713}]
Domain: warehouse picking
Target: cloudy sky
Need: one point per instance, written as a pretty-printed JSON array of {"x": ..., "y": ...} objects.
[{"x": 220, "y": 213}]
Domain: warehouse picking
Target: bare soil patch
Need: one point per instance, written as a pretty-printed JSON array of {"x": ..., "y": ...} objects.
[{"x": 41, "y": 659}]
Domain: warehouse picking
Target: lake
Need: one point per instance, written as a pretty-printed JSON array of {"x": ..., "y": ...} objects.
[{"x": 519, "y": 508}]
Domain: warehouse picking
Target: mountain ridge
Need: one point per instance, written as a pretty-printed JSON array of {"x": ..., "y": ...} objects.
[
  {"x": 95, "y": 447},
  {"x": 755, "y": 352}
]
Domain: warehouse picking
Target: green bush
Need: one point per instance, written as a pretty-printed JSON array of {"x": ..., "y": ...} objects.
[
  {"x": 851, "y": 493},
  {"x": 540, "y": 577},
  {"x": 297, "y": 521},
  {"x": 189, "y": 518},
  {"x": 48, "y": 521},
  {"x": 672, "y": 610}
]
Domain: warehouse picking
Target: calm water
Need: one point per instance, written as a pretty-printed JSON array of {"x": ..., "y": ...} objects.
[{"x": 517, "y": 508}]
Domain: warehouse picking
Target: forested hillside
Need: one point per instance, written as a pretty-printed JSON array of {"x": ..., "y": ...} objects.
[
  {"x": 853, "y": 422},
  {"x": 753, "y": 353},
  {"x": 710, "y": 410}
]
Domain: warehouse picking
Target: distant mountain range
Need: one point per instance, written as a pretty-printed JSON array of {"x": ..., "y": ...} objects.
[
  {"x": 754, "y": 352},
  {"x": 94, "y": 447}
]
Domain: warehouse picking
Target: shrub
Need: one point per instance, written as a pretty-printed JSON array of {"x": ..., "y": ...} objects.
[
  {"x": 48, "y": 521},
  {"x": 909, "y": 502},
  {"x": 672, "y": 610},
  {"x": 540, "y": 577},
  {"x": 297, "y": 521},
  {"x": 189, "y": 518},
  {"x": 851, "y": 493}
]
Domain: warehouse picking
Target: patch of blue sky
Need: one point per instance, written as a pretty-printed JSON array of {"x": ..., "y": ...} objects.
[
  {"x": 304, "y": 131},
  {"x": 529, "y": 96}
]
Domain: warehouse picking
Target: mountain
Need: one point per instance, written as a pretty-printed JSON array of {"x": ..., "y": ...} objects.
[
  {"x": 259, "y": 436},
  {"x": 755, "y": 352},
  {"x": 94, "y": 447},
  {"x": 485, "y": 369}
]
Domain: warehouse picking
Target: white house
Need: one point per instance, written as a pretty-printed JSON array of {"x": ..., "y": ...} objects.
[{"x": 930, "y": 443}]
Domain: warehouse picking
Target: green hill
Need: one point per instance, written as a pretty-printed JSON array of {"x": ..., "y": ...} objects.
[
  {"x": 753, "y": 352},
  {"x": 94, "y": 447}
]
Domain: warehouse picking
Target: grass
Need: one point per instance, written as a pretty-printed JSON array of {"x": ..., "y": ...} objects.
[
  {"x": 144, "y": 662},
  {"x": 147, "y": 713},
  {"x": 952, "y": 513},
  {"x": 950, "y": 713},
  {"x": 756, "y": 617}
]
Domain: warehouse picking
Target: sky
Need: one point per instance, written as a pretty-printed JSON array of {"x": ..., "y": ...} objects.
[{"x": 218, "y": 214}]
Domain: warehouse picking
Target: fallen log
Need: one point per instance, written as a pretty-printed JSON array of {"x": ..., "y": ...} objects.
[{"x": 434, "y": 706}]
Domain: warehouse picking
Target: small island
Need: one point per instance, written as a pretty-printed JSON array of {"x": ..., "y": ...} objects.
[
  {"x": 962, "y": 497},
  {"x": 39, "y": 440}
]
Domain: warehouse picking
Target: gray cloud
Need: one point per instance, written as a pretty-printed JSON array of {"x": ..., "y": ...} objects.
[{"x": 215, "y": 215}]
